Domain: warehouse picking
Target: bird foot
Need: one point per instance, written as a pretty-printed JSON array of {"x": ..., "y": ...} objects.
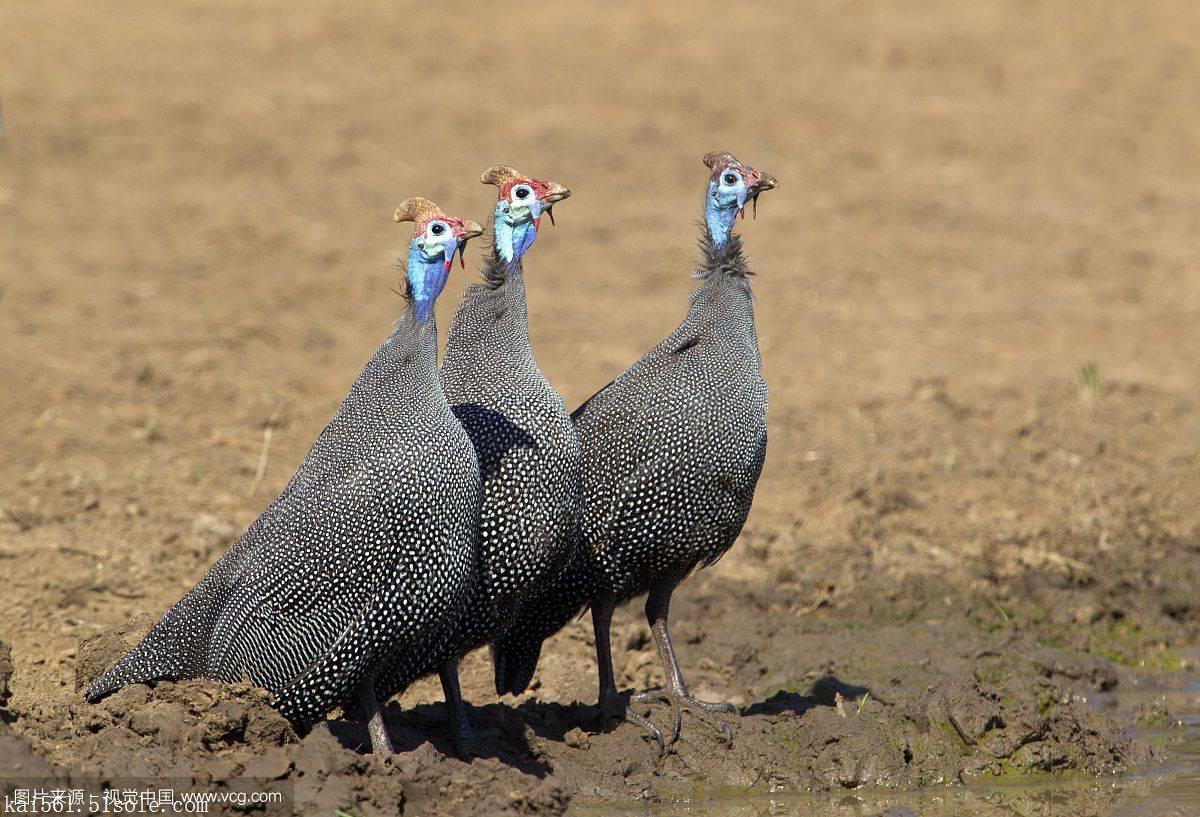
[
  {"x": 616, "y": 706},
  {"x": 682, "y": 702},
  {"x": 469, "y": 744}
]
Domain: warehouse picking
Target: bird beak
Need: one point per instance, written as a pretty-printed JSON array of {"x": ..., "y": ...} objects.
[
  {"x": 471, "y": 229},
  {"x": 765, "y": 182},
  {"x": 556, "y": 192}
]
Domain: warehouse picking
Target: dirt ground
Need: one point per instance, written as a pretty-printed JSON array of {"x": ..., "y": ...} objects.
[{"x": 979, "y": 306}]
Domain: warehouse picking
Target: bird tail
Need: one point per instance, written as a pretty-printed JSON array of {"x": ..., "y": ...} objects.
[
  {"x": 515, "y": 652},
  {"x": 159, "y": 656},
  {"x": 514, "y": 660},
  {"x": 176, "y": 647}
]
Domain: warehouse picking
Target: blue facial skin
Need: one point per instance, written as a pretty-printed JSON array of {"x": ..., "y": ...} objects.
[
  {"x": 724, "y": 200},
  {"x": 514, "y": 227},
  {"x": 428, "y": 269}
]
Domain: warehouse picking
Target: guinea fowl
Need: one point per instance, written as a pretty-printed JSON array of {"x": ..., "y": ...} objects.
[
  {"x": 369, "y": 550},
  {"x": 672, "y": 451},
  {"x": 527, "y": 447}
]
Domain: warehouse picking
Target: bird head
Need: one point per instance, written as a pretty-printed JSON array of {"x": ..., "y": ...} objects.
[
  {"x": 521, "y": 203},
  {"x": 436, "y": 238},
  {"x": 731, "y": 185}
]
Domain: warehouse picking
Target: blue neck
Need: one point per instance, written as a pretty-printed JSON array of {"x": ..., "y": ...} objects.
[
  {"x": 426, "y": 278},
  {"x": 719, "y": 216},
  {"x": 513, "y": 232}
]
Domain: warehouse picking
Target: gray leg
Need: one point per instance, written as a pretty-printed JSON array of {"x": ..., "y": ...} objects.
[
  {"x": 466, "y": 744},
  {"x": 658, "y": 605},
  {"x": 381, "y": 744},
  {"x": 612, "y": 705}
]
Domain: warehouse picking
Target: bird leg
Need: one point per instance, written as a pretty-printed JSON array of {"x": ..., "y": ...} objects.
[
  {"x": 612, "y": 703},
  {"x": 381, "y": 744},
  {"x": 466, "y": 743},
  {"x": 658, "y": 605}
]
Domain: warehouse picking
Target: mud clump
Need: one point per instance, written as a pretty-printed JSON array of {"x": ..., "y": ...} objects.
[
  {"x": 219, "y": 738},
  {"x": 99, "y": 652},
  {"x": 18, "y": 761},
  {"x": 227, "y": 739},
  {"x": 1004, "y": 729},
  {"x": 6, "y": 671}
]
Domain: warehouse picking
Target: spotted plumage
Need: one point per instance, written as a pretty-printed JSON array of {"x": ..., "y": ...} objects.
[
  {"x": 527, "y": 447},
  {"x": 368, "y": 551},
  {"x": 672, "y": 451}
]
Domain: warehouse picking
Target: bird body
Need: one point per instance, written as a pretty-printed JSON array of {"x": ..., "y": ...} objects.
[
  {"x": 672, "y": 452},
  {"x": 527, "y": 448},
  {"x": 674, "y": 446},
  {"x": 369, "y": 550}
]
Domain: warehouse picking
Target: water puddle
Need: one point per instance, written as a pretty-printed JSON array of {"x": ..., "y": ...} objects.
[{"x": 1169, "y": 788}]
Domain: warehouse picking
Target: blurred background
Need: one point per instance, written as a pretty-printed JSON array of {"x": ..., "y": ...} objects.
[{"x": 978, "y": 290}]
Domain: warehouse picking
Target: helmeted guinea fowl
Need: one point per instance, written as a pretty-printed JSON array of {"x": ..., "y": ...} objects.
[
  {"x": 672, "y": 451},
  {"x": 527, "y": 447},
  {"x": 367, "y": 552}
]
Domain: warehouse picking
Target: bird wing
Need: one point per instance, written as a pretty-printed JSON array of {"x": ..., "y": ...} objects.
[
  {"x": 325, "y": 554},
  {"x": 633, "y": 416}
]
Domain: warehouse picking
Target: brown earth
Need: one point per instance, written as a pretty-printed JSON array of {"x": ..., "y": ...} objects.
[{"x": 961, "y": 525}]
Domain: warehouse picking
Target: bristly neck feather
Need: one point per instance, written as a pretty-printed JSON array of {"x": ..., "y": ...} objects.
[
  {"x": 723, "y": 261},
  {"x": 496, "y": 271},
  {"x": 491, "y": 326},
  {"x": 722, "y": 306}
]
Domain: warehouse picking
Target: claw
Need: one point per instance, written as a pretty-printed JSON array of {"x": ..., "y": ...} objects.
[
  {"x": 650, "y": 728},
  {"x": 681, "y": 703},
  {"x": 615, "y": 706},
  {"x": 677, "y": 729},
  {"x": 728, "y": 730},
  {"x": 468, "y": 745}
]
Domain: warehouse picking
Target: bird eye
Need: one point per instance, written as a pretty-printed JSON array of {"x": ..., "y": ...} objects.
[
  {"x": 730, "y": 178},
  {"x": 438, "y": 229},
  {"x": 522, "y": 192}
]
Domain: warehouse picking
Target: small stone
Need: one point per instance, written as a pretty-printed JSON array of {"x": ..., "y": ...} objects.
[{"x": 577, "y": 739}]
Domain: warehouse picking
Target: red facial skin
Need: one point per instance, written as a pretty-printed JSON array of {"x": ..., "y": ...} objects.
[
  {"x": 540, "y": 187},
  {"x": 461, "y": 228},
  {"x": 458, "y": 226},
  {"x": 749, "y": 174}
]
